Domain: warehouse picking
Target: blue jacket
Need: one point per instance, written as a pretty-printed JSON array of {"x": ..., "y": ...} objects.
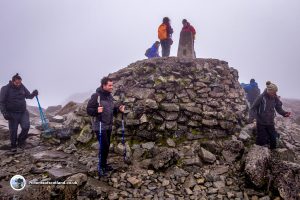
[
  {"x": 153, "y": 52},
  {"x": 252, "y": 91}
]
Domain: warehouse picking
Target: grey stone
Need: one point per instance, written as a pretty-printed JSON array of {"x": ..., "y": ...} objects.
[
  {"x": 79, "y": 178},
  {"x": 170, "y": 107},
  {"x": 207, "y": 156},
  {"x": 148, "y": 145},
  {"x": 85, "y": 135},
  {"x": 166, "y": 158},
  {"x": 135, "y": 182},
  {"x": 256, "y": 164},
  {"x": 171, "y": 142},
  {"x": 190, "y": 182}
]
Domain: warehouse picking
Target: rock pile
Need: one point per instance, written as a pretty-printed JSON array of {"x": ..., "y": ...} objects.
[{"x": 171, "y": 97}]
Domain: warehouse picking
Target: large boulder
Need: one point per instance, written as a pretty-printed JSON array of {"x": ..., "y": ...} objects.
[
  {"x": 286, "y": 179},
  {"x": 166, "y": 158},
  {"x": 256, "y": 166}
]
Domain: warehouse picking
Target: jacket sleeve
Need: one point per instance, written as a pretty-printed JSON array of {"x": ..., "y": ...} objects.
[
  {"x": 255, "y": 105},
  {"x": 92, "y": 106},
  {"x": 278, "y": 107},
  {"x": 3, "y": 95},
  {"x": 28, "y": 95}
]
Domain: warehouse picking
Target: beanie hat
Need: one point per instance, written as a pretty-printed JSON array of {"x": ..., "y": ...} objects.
[{"x": 271, "y": 87}]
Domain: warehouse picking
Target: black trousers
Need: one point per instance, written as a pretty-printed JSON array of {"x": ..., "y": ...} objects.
[
  {"x": 104, "y": 147},
  {"x": 165, "y": 47},
  {"x": 266, "y": 134},
  {"x": 17, "y": 119}
]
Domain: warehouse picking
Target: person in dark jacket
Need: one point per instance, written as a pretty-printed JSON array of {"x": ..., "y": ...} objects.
[
  {"x": 264, "y": 108},
  {"x": 13, "y": 108},
  {"x": 252, "y": 92},
  {"x": 104, "y": 112},
  {"x": 153, "y": 51},
  {"x": 165, "y": 32}
]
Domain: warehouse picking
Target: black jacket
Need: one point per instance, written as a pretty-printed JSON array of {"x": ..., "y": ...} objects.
[
  {"x": 109, "y": 109},
  {"x": 264, "y": 109},
  {"x": 12, "y": 98}
]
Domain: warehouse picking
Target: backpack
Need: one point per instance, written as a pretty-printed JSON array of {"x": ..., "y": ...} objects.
[
  {"x": 162, "y": 32},
  {"x": 147, "y": 52}
]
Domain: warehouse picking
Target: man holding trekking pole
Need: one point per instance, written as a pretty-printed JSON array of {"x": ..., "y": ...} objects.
[{"x": 102, "y": 108}]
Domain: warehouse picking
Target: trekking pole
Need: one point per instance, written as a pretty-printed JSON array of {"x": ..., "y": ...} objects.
[
  {"x": 100, "y": 141},
  {"x": 123, "y": 138},
  {"x": 123, "y": 129},
  {"x": 42, "y": 116}
]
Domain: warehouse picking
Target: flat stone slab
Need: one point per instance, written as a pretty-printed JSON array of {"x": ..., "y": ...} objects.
[
  {"x": 62, "y": 173},
  {"x": 49, "y": 156}
]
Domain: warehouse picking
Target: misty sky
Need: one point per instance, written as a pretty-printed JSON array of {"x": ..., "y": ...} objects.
[{"x": 62, "y": 47}]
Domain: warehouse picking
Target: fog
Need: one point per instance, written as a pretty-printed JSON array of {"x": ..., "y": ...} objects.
[{"x": 64, "y": 47}]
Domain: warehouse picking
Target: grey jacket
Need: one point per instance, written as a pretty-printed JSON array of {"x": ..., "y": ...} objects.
[
  {"x": 264, "y": 109},
  {"x": 109, "y": 109}
]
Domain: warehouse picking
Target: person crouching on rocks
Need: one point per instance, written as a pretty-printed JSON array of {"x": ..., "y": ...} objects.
[
  {"x": 13, "y": 108},
  {"x": 264, "y": 110},
  {"x": 103, "y": 111}
]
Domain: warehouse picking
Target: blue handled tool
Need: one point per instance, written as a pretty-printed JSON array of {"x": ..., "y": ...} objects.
[{"x": 47, "y": 131}]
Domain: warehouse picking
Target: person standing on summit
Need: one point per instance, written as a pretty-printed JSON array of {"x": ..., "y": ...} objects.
[
  {"x": 165, "y": 32},
  {"x": 187, "y": 27},
  {"x": 264, "y": 109},
  {"x": 13, "y": 108}
]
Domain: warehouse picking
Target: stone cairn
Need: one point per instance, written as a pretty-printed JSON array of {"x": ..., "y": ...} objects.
[{"x": 171, "y": 97}]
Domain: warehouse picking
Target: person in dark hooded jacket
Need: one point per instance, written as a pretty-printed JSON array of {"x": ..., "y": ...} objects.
[
  {"x": 264, "y": 109},
  {"x": 13, "y": 108},
  {"x": 104, "y": 112},
  {"x": 252, "y": 92}
]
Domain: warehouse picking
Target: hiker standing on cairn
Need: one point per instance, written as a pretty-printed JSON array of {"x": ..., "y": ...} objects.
[
  {"x": 187, "y": 27},
  {"x": 165, "y": 32},
  {"x": 13, "y": 108},
  {"x": 103, "y": 112},
  {"x": 264, "y": 109},
  {"x": 252, "y": 92}
]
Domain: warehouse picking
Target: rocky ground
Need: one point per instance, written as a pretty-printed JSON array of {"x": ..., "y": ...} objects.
[
  {"x": 186, "y": 138},
  {"x": 174, "y": 169}
]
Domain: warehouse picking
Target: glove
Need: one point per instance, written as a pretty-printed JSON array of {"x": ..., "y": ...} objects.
[
  {"x": 35, "y": 93},
  {"x": 6, "y": 116}
]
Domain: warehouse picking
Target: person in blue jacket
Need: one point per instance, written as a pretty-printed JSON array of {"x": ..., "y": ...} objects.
[
  {"x": 153, "y": 51},
  {"x": 252, "y": 92}
]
